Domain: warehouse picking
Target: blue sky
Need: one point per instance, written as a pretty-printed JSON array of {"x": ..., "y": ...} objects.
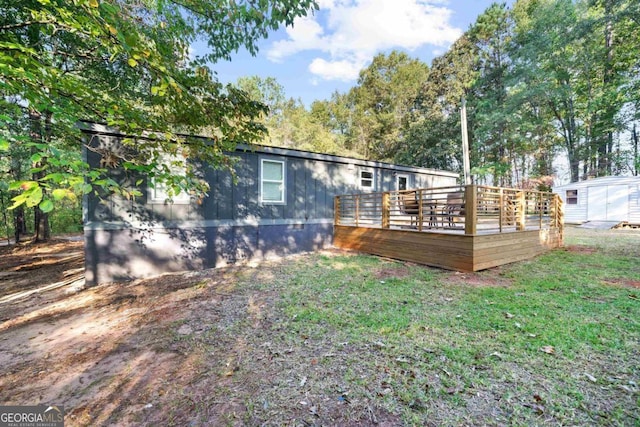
[{"x": 324, "y": 52}]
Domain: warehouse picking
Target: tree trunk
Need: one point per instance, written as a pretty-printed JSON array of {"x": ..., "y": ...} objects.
[
  {"x": 20, "y": 225},
  {"x": 4, "y": 214},
  {"x": 43, "y": 232},
  {"x": 605, "y": 148},
  {"x": 41, "y": 219}
]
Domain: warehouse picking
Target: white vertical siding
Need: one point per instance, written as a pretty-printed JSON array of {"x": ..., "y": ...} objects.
[
  {"x": 575, "y": 213},
  {"x": 634, "y": 204}
]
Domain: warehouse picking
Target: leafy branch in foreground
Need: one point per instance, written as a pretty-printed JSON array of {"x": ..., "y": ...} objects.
[{"x": 126, "y": 64}]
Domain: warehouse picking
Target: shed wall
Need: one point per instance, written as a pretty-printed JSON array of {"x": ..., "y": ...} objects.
[
  {"x": 634, "y": 204},
  {"x": 580, "y": 212}
]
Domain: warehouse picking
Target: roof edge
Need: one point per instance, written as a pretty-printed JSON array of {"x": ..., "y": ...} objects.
[{"x": 102, "y": 129}]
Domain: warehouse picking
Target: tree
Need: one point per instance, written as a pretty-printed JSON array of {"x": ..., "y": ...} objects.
[
  {"x": 287, "y": 121},
  {"x": 493, "y": 142},
  {"x": 385, "y": 95},
  {"x": 571, "y": 63},
  {"x": 432, "y": 131},
  {"x": 127, "y": 64}
]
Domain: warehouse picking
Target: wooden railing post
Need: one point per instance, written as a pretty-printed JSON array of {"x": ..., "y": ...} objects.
[
  {"x": 521, "y": 210},
  {"x": 501, "y": 209},
  {"x": 470, "y": 209},
  {"x": 386, "y": 209},
  {"x": 541, "y": 200},
  {"x": 560, "y": 220},
  {"x": 420, "y": 218},
  {"x": 336, "y": 210}
]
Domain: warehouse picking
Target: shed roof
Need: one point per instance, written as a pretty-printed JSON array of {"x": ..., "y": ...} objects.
[{"x": 604, "y": 180}]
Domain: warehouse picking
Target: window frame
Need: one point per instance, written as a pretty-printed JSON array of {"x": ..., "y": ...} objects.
[
  {"x": 398, "y": 178},
  {"x": 571, "y": 197},
  {"x": 361, "y": 179},
  {"x": 158, "y": 193},
  {"x": 283, "y": 181}
]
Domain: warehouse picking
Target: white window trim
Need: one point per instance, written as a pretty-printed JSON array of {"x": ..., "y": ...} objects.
[
  {"x": 576, "y": 197},
  {"x": 158, "y": 194},
  {"x": 398, "y": 181},
  {"x": 283, "y": 199},
  {"x": 372, "y": 179}
]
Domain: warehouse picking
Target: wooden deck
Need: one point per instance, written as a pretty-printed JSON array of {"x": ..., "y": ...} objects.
[{"x": 459, "y": 228}]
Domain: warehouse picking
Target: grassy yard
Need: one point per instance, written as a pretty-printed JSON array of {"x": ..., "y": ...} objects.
[
  {"x": 335, "y": 338},
  {"x": 553, "y": 341}
]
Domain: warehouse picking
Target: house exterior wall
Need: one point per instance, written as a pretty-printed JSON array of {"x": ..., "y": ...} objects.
[
  {"x": 592, "y": 195},
  {"x": 127, "y": 239}
]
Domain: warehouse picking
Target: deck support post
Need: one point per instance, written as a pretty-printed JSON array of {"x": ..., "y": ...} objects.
[
  {"x": 386, "y": 208},
  {"x": 560, "y": 219},
  {"x": 470, "y": 209},
  {"x": 540, "y": 202},
  {"x": 420, "y": 211},
  {"x": 336, "y": 210},
  {"x": 501, "y": 209},
  {"x": 521, "y": 208}
]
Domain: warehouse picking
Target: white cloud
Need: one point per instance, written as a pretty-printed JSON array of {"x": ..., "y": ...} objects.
[
  {"x": 304, "y": 35},
  {"x": 345, "y": 70},
  {"x": 355, "y": 30}
]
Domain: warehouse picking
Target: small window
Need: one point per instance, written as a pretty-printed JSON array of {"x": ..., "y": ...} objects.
[
  {"x": 160, "y": 193},
  {"x": 272, "y": 184},
  {"x": 402, "y": 182},
  {"x": 366, "y": 179},
  {"x": 572, "y": 197}
]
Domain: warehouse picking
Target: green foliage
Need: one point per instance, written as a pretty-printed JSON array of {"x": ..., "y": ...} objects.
[
  {"x": 382, "y": 100},
  {"x": 125, "y": 64},
  {"x": 542, "y": 77},
  {"x": 288, "y": 122}
]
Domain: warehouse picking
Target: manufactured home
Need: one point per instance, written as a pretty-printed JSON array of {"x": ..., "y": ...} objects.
[
  {"x": 610, "y": 198},
  {"x": 281, "y": 203}
]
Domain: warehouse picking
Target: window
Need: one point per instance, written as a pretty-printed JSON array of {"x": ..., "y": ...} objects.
[
  {"x": 159, "y": 193},
  {"x": 572, "y": 197},
  {"x": 272, "y": 184},
  {"x": 402, "y": 182},
  {"x": 366, "y": 179}
]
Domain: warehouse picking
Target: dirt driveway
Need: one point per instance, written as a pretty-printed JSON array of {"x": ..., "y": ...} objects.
[
  {"x": 162, "y": 351},
  {"x": 96, "y": 351}
]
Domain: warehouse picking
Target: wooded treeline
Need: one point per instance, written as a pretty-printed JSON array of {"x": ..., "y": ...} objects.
[{"x": 542, "y": 79}]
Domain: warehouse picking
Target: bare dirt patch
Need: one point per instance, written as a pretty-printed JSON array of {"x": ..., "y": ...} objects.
[
  {"x": 490, "y": 278},
  {"x": 580, "y": 249},
  {"x": 179, "y": 349},
  {"x": 392, "y": 271},
  {"x": 28, "y": 265},
  {"x": 627, "y": 283}
]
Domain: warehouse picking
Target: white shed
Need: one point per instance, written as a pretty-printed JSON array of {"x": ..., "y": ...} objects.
[{"x": 610, "y": 198}]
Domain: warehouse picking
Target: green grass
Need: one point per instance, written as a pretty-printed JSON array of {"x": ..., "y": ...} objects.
[{"x": 433, "y": 349}]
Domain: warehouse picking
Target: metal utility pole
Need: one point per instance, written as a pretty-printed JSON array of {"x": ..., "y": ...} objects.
[{"x": 465, "y": 143}]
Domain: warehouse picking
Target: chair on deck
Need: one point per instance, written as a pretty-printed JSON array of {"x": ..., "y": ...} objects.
[
  {"x": 409, "y": 204},
  {"x": 454, "y": 208}
]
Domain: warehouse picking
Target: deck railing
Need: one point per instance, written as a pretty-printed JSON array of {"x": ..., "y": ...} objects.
[{"x": 470, "y": 209}]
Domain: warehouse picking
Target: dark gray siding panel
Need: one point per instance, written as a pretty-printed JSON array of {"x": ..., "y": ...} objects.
[
  {"x": 119, "y": 255},
  {"x": 224, "y": 195}
]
